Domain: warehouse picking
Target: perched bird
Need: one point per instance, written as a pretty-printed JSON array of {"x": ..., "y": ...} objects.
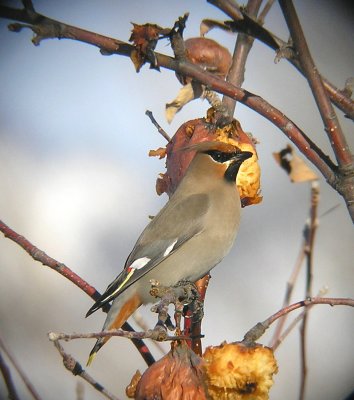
[{"x": 190, "y": 235}]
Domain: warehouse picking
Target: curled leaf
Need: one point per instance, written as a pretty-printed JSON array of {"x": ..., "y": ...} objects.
[
  {"x": 160, "y": 152},
  {"x": 208, "y": 24},
  {"x": 131, "y": 388},
  {"x": 294, "y": 166},
  {"x": 187, "y": 93},
  {"x": 145, "y": 38}
]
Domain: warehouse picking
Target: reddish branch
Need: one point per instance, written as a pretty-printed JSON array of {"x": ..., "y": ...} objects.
[
  {"x": 242, "y": 23},
  {"x": 48, "y": 28},
  {"x": 52, "y": 28},
  {"x": 242, "y": 48},
  {"x": 20, "y": 372},
  {"x": 258, "y": 330},
  {"x": 330, "y": 120},
  {"x": 309, "y": 246},
  {"x": 62, "y": 269},
  {"x": 305, "y": 251},
  {"x": 5, "y": 371}
]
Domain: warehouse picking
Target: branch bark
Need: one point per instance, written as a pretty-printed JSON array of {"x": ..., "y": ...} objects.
[
  {"x": 253, "y": 28},
  {"x": 259, "y": 329},
  {"x": 62, "y": 269},
  {"x": 329, "y": 118},
  {"x": 243, "y": 45},
  {"x": 48, "y": 28},
  {"x": 20, "y": 372}
]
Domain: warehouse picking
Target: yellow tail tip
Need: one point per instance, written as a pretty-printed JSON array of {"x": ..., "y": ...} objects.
[{"x": 90, "y": 359}]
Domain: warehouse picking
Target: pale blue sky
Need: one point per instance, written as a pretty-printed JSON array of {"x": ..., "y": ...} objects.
[{"x": 75, "y": 179}]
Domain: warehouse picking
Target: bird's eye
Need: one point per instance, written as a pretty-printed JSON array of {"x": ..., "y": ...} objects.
[{"x": 219, "y": 156}]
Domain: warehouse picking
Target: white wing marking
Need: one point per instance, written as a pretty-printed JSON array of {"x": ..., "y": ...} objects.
[
  {"x": 140, "y": 263},
  {"x": 170, "y": 248}
]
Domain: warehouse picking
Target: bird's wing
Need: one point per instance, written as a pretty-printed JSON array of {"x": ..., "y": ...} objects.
[{"x": 166, "y": 233}]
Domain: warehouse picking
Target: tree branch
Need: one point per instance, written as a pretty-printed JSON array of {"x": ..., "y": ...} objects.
[
  {"x": 309, "y": 235},
  {"x": 253, "y": 28},
  {"x": 242, "y": 48},
  {"x": 76, "y": 369},
  {"x": 62, "y": 269},
  {"x": 341, "y": 181},
  {"x": 331, "y": 123},
  {"x": 19, "y": 370},
  {"x": 6, "y": 373},
  {"x": 259, "y": 329}
]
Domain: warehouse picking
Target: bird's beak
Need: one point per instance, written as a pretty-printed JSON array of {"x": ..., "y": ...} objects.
[{"x": 243, "y": 155}]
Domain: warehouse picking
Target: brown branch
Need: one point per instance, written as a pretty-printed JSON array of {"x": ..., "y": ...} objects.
[
  {"x": 309, "y": 235},
  {"x": 153, "y": 334},
  {"x": 19, "y": 370},
  {"x": 229, "y": 7},
  {"x": 62, "y": 269},
  {"x": 276, "y": 343},
  {"x": 341, "y": 182},
  {"x": 113, "y": 46},
  {"x": 259, "y": 329},
  {"x": 242, "y": 48},
  {"x": 192, "y": 325},
  {"x": 288, "y": 293},
  {"x": 253, "y": 28},
  {"x": 6, "y": 373},
  {"x": 330, "y": 120},
  {"x": 161, "y": 131},
  {"x": 76, "y": 369},
  {"x": 265, "y": 11},
  {"x": 110, "y": 46}
]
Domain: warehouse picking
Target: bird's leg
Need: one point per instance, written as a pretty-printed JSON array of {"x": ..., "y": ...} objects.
[{"x": 182, "y": 294}]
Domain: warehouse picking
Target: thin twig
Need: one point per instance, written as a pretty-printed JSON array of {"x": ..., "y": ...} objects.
[
  {"x": 149, "y": 334},
  {"x": 330, "y": 120},
  {"x": 6, "y": 373},
  {"x": 259, "y": 329},
  {"x": 305, "y": 250},
  {"x": 265, "y": 11},
  {"x": 62, "y": 269},
  {"x": 114, "y": 46},
  {"x": 47, "y": 28},
  {"x": 158, "y": 126},
  {"x": 253, "y": 28},
  {"x": 139, "y": 320},
  {"x": 20, "y": 371},
  {"x": 288, "y": 293},
  {"x": 76, "y": 369},
  {"x": 229, "y": 7},
  {"x": 293, "y": 323},
  {"x": 243, "y": 46},
  {"x": 309, "y": 246}
]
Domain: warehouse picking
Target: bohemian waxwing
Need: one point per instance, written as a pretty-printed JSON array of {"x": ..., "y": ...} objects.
[{"x": 190, "y": 235}]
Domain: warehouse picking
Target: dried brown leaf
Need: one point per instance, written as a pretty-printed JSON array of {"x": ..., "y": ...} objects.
[
  {"x": 160, "y": 152},
  {"x": 294, "y": 166},
  {"x": 145, "y": 38},
  {"x": 131, "y": 388},
  {"x": 208, "y": 24}
]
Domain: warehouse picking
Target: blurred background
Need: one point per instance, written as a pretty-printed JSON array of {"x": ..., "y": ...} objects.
[{"x": 76, "y": 180}]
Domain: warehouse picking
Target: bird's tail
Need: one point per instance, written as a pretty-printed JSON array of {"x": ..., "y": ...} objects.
[
  {"x": 100, "y": 342},
  {"x": 122, "y": 308}
]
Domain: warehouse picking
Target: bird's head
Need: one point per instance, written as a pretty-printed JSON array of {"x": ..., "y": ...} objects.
[{"x": 221, "y": 156}]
